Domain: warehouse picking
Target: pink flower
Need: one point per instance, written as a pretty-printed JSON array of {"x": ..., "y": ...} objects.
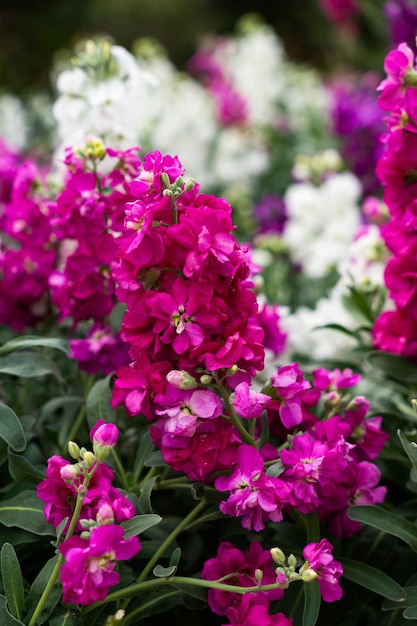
[
  {"x": 320, "y": 559},
  {"x": 254, "y": 496},
  {"x": 88, "y": 571},
  {"x": 231, "y": 560},
  {"x": 288, "y": 384},
  {"x": 180, "y": 410},
  {"x": 398, "y": 65},
  {"x": 247, "y": 402},
  {"x": 250, "y": 613}
]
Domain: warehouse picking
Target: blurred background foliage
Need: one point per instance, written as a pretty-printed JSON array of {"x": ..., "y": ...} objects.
[{"x": 34, "y": 32}]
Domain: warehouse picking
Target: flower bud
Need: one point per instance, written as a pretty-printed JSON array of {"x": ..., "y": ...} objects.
[
  {"x": 104, "y": 437},
  {"x": 206, "y": 379},
  {"x": 89, "y": 459},
  {"x": 278, "y": 556},
  {"x": 292, "y": 560},
  {"x": 165, "y": 180},
  {"x": 308, "y": 575},
  {"x": 105, "y": 515},
  {"x": 74, "y": 450},
  {"x": 189, "y": 185},
  {"x": 259, "y": 576},
  {"x": 181, "y": 379},
  {"x": 69, "y": 473}
]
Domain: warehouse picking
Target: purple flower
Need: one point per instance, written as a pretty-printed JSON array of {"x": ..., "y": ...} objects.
[
  {"x": 254, "y": 496},
  {"x": 247, "y": 402},
  {"x": 320, "y": 559},
  {"x": 289, "y": 384},
  {"x": 88, "y": 571}
]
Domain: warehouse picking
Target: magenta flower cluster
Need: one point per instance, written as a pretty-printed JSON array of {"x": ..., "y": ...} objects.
[
  {"x": 90, "y": 555},
  {"x": 395, "y": 329}
]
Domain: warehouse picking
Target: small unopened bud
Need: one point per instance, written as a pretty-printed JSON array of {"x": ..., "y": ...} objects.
[
  {"x": 165, "y": 180},
  {"x": 259, "y": 576},
  {"x": 308, "y": 575},
  {"x": 168, "y": 193},
  {"x": 206, "y": 379},
  {"x": 181, "y": 379},
  {"x": 89, "y": 459},
  {"x": 69, "y": 473},
  {"x": 85, "y": 534},
  {"x": 189, "y": 185},
  {"x": 278, "y": 556},
  {"x": 292, "y": 560},
  {"x": 105, "y": 515},
  {"x": 232, "y": 370},
  {"x": 281, "y": 578},
  {"x": 74, "y": 450},
  {"x": 104, "y": 437}
]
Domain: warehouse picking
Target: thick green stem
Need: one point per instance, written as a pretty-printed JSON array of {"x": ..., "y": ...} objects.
[
  {"x": 178, "y": 530},
  {"x": 56, "y": 570},
  {"x": 233, "y": 418}
]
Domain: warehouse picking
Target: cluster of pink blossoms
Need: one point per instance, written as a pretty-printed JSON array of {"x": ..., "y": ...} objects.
[
  {"x": 91, "y": 555},
  {"x": 325, "y": 464},
  {"x": 256, "y": 567},
  {"x": 191, "y": 310},
  {"x": 395, "y": 330},
  {"x": 27, "y": 249}
]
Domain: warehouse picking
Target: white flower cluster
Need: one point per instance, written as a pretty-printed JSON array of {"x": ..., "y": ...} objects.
[
  {"x": 363, "y": 267},
  {"x": 322, "y": 221}
]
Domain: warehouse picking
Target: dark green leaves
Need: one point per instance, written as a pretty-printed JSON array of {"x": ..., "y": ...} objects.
[
  {"x": 387, "y": 522},
  {"x": 12, "y": 580},
  {"x": 25, "y": 511},
  {"x": 11, "y": 429},
  {"x": 372, "y": 579}
]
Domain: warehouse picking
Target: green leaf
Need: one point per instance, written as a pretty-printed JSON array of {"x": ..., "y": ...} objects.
[
  {"x": 410, "y": 600},
  {"x": 164, "y": 572},
  {"x": 144, "y": 450},
  {"x": 28, "y": 365},
  {"x": 373, "y": 579},
  {"x": 138, "y": 524},
  {"x": 37, "y": 590},
  {"x": 12, "y": 580},
  {"x": 64, "y": 617},
  {"x": 312, "y": 601},
  {"x": 11, "y": 429},
  {"x": 155, "y": 460},
  {"x": 386, "y": 521},
  {"x": 144, "y": 500},
  {"x": 22, "y": 470},
  {"x": 409, "y": 448},
  {"x": 393, "y": 366},
  {"x": 410, "y": 613},
  {"x": 98, "y": 403},
  {"x": 25, "y": 511},
  {"x": 160, "y": 602},
  {"x": 32, "y": 341},
  {"x": 6, "y": 619}
]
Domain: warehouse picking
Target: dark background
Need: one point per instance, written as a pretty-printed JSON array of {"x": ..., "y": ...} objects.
[{"x": 32, "y": 31}]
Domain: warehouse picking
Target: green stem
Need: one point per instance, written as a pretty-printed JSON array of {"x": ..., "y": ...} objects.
[
  {"x": 120, "y": 469},
  {"x": 55, "y": 572},
  {"x": 233, "y": 418},
  {"x": 80, "y": 417},
  {"x": 165, "y": 544}
]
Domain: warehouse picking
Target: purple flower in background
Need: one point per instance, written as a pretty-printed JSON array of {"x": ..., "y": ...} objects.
[
  {"x": 402, "y": 21},
  {"x": 270, "y": 213},
  {"x": 357, "y": 121}
]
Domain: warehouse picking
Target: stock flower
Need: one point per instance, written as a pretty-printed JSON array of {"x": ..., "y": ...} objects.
[
  {"x": 247, "y": 402},
  {"x": 89, "y": 568},
  {"x": 398, "y": 65},
  {"x": 60, "y": 495},
  {"x": 254, "y": 496},
  {"x": 101, "y": 351},
  {"x": 250, "y": 613},
  {"x": 230, "y": 560},
  {"x": 320, "y": 559},
  {"x": 288, "y": 384}
]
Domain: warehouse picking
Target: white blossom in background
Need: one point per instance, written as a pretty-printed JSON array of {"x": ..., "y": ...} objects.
[
  {"x": 322, "y": 221},
  {"x": 13, "y": 122},
  {"x": 254, "y": 62},
  {"x": 105, "y": 95},
  {"x": 363, "y": 268}
]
